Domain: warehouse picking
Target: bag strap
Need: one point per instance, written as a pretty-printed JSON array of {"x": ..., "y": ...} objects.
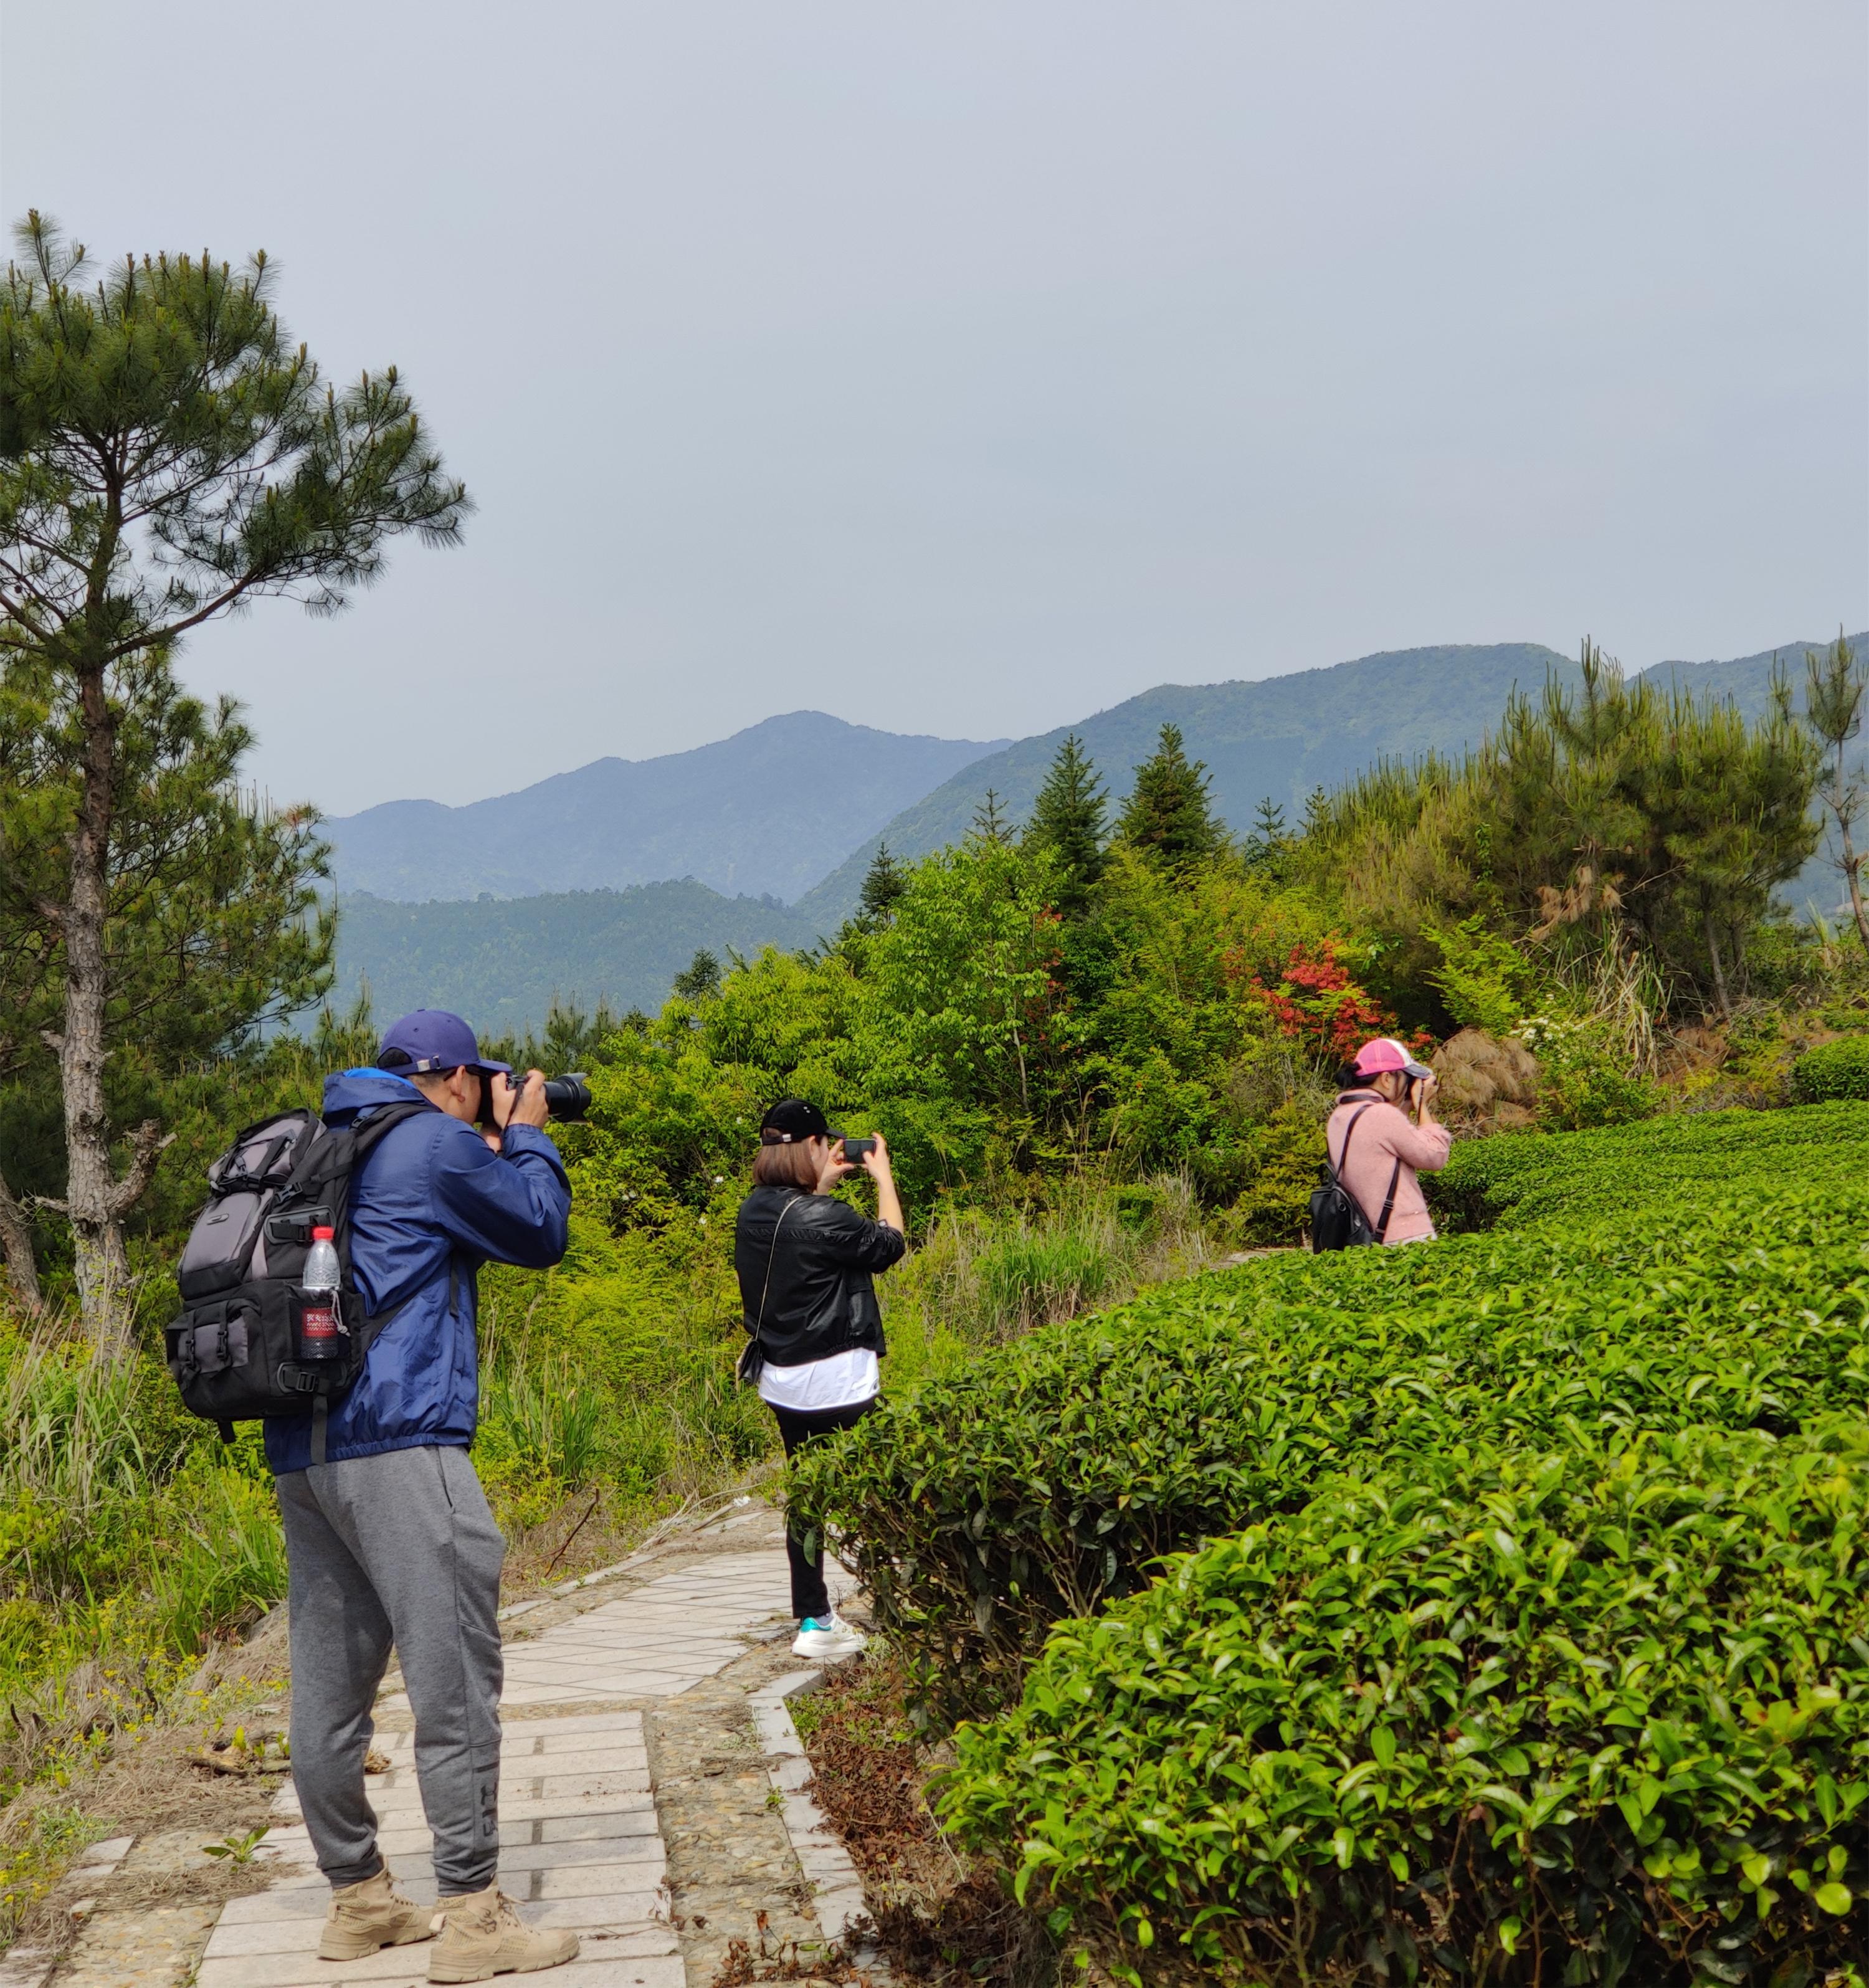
[
  {"x": 1336, "y": 1165},
  {"x": 771, "y": 1257},
  {"x": 1388, "y": 1205}
]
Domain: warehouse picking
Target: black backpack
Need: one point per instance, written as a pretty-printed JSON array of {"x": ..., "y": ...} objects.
[
  {"x": 234, "y": 1350},
  {"x": 1337, "y": 1220}
]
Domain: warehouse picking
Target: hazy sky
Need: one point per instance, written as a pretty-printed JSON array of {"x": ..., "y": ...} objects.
[{"x": 966, "y": 368}]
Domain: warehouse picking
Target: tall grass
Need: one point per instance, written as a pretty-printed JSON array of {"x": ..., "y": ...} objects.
[
  {"x": 128, "y": 1539},
  {"x": 980, "y": 1278}
]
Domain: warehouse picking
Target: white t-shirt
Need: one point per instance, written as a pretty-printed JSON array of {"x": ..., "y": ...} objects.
[{"x": 839, "y": 1381}]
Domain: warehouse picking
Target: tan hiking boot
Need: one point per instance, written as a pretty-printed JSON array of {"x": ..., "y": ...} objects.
[
  {"x": 483, "y": 1935},
  {"x": 364, "y": 1917}
]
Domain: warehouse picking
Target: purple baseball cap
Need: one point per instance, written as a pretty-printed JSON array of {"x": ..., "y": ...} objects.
[{"x": 431, "y": 1039}]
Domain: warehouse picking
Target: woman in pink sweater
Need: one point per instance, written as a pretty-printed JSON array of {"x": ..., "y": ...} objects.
[{"x": 1386, "y": 1094}]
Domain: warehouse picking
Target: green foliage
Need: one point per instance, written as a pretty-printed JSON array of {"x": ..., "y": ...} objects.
[
  {"x": 1663, "y": 1170},
  {"x": 1485, "y": 980},
  {"x": 128, "y": 1537},
  {"x": 1275, "y": 1210},
  {"x": 1833, "y": 1070},
  {"x": 1600, "y": 1714},
  {"x": 1041, "y": 1483},
  {"x": 1169, "y": 817},
  {"x": 1584, "y": 1077},
  {"x": 1622, "y": 813},
  {"x": 239, "y": 1849}
]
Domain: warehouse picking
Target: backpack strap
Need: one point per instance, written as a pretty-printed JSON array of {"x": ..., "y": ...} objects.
[
  {"x": 1336, "y": 1165},
  {"x": 321, "y": 1417},
  {"x": 1388, "y": 1203}
]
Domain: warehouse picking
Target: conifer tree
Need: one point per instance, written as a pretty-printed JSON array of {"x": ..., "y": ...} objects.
[
  {"x": 989, "y": 825},
  {"x": 883, "y": 883},
  {"x": 1269, "y": 839},
  {"x": 701, "y": 978},
  {"x": 1068, "y": 818},
  {"x": 1833, "y": 691},
  {"x": 167, "y": 455},
  {"x": 1168, "y": 817}
]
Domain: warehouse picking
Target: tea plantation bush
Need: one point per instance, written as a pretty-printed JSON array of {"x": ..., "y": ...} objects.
[
  {"x": 1600, "y": 1714},
  {"x": 1042, "y": 1482},
  {"x": 1833, "y": 1070},
  {"x": 1520, "y": 1179}
]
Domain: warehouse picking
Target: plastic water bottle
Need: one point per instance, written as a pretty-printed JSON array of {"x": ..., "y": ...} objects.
[{"x": 321, "y": 1326}]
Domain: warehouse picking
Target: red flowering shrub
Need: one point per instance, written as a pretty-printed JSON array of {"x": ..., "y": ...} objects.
[{"x": 1316, "y": 1004}]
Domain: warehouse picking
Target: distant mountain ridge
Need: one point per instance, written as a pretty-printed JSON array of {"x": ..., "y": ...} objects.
[
  {"x": 766, "y": 812},
  {"x": 1275, "y": 737}
]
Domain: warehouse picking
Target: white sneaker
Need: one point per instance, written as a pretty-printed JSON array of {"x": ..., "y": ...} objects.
[{"x": 827, "y": 1636}]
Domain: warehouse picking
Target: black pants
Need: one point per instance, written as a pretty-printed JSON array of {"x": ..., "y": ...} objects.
[{"x": 796, "y": 1428}]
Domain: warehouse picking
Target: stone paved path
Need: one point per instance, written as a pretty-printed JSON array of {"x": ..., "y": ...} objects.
[{"x": 600, "y": 1686}]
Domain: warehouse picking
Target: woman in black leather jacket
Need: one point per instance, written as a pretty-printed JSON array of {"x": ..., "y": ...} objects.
[{"x": 805, "y": 1259}]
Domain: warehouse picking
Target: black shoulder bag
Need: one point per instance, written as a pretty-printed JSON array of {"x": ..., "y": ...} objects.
[{"x": 1337, "y": 1220}]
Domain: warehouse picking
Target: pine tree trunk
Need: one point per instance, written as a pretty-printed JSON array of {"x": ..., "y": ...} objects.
[
  {"x": 1719, "y": 972},
  {"x": 1852, "y": 868},
  {"x": 16, "y": 1246},
  {"x": 91, "y": 1195}
]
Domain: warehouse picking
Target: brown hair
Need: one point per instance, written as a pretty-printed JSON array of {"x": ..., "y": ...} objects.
[{"x": 789, "y": 1165}]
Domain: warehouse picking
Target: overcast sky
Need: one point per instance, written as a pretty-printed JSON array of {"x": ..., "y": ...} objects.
[{"x": 967, "y": 368}]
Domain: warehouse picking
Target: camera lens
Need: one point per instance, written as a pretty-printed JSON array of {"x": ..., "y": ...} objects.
[{"x": 566, "y": 1098}]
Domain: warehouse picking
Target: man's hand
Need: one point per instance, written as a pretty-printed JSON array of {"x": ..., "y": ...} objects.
[{"x": 520, "y": 1103}]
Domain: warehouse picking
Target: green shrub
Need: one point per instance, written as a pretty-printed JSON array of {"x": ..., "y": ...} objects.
[
  {"x": 1837, "y": 1069},
  {"x": 1599, "y": 1715},
  {"x": 1042, "y": 1482},
  {"x": 1275, "y": 1210},
  {"x": 1667, "y": 1166},
  {"x": 1584, "y": 1079}
]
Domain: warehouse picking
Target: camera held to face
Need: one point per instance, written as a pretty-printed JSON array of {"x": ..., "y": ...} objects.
[{"x": 566, "y": 1098}]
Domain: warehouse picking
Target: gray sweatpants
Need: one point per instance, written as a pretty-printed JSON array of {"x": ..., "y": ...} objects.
[{"x": 399, "y": 1548}]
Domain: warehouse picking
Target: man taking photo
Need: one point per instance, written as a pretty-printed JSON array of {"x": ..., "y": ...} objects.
[{"x": 389, "y": 1538}]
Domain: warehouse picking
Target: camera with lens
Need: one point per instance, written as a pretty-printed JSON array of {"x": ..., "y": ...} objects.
[{"x": 566, "y": 1098}]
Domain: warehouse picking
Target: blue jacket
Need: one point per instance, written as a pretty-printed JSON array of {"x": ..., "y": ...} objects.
[{"x": 432, "y": 1196}]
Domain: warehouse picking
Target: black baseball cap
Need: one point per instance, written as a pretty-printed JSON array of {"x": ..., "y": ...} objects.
[
  {"x": 790, "y": 1120},
  {"x": 431, "y": 1039}
]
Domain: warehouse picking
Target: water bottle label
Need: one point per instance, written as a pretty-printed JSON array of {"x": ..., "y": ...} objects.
[{"x": 321, "y": 1328}]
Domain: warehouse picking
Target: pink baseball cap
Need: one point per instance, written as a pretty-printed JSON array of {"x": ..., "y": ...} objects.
[{"x": 1385, "y": 1053}]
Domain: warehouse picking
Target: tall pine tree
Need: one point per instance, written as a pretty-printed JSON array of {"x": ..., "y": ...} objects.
[
  {"x": 1168, "y": 817},
  {"x": 167, "y": 456},
  {"x": 1069, "y": 818}
]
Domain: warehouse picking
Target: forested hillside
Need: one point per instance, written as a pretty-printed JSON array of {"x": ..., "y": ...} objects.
[
  {"x": 507, "y": 961},
  {"x": 1281, "y": 736}
]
